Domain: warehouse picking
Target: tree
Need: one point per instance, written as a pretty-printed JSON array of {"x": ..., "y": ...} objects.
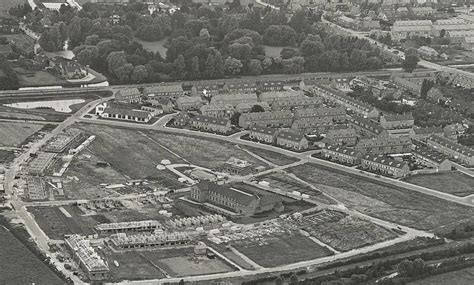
[
  {"x": 299, "y": 22},
  {"x": 293, "y": 65},
  {"x": 195, "y": 72},
  {"x": 115, "y": 60},
  {"x": 75, "y": 32},
  {"x": 287, "y": 53},
  {"x": 410, "y": 62},
  {"x": 87, "y": 55},
  {"x": 92, "y": 40},
  {"x": 405, "y": 268},
  {"x": 257, "y": 109},
  {"x": 255, "y": 67},
  {"x": 426, "y": 85},
  {"x": 293, "y": 279},
  {"x": 139, "y": 74},
  {"x": 311, "y": 47},
  {"x": 123, "y": 72},
  {"x": 210, "y": 69},
  {"x": 279, "y": 35},
  {"x": 232, "y": 66},
  {"x": 179, "y": 66}
]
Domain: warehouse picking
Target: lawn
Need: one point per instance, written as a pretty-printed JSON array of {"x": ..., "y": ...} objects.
[
  {"x": 14, "y": 134},
  {"x": 132, "y": 153},
  {"x": 279, "y": 249},
  {"x": 157, "y": 46},
  {"x": 453, "y": 182},
  {"x": 384, "y": 201},
  {"x": 273, "y": 157},
  {"x": 181, "y": 266},
  {"x": 20, "y": 266},
  {"x": 272, "y": 51},
  {"x": 203, "y": 152}
]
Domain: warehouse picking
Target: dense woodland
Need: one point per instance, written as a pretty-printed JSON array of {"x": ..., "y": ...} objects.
[{"x": 203, "y": 42}]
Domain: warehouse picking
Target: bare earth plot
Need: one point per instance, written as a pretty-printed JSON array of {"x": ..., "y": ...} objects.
[
  {"x": 132, "y": 154},
  {"x": 383, "y": 201},
  {"x": 453, "y": 182},
  {"x": 279, "y": 249},
  {"x": 5, "y": 5},
  {"x": 13, "y": 134},
  {"x": 132, "y": 266},
  {"x": 203, "y": 152}
]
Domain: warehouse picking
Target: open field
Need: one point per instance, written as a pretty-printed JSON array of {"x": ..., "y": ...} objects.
[
  {"x": 203, "y": 152},
  {"x": 190, "y": 264},
  {"x": 133, "y": 154},
  {"x": 55, "y": 224},
  {"x": 384, "y": 201},
  {"x": 273, "y": 157},
  {"x": 20, "y": 266},
  {"x": 461, "y": 277},
  {"x": 132, "y": 266},
  {"x": 89, "y": 177},
  {"x": 343, "y": 232},
  {"x": 13, "y": 134},
  {"x": 281, "y": 248},
  {"x": 453, "y": 182}
]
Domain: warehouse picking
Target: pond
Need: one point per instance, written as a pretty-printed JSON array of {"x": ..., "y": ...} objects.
[{"x": 62, "y": 106}]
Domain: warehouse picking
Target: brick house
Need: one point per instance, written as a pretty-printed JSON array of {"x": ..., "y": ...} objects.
[
  {"x": 172, "y": 92},
  {"x": 342, "y": 137},
  {"x": 266, "y": 119},
  {"x": 292, "y": 140},
  {"x": 263, "y": 134},
  {"x": 129, "y": 95},
  {"x": 211, "y": 124},
  {"x": 385, "y": 166},
  {"x": 384, "y": 145},
  {"x": 218, "y": 110},
  {"x": 452, "y": 149},
  {"x": 341, "y": 154},
  {"x": 186, "y": 103}
]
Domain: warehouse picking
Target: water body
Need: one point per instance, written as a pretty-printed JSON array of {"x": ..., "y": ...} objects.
[{"x": 62, "y": 106}]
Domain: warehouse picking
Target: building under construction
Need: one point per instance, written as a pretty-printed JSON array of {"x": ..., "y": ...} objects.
[
  {"x": 124, "y": 227},
  {"x": 87, "y": 258},
  {"x": 63, "y": 140},
  {"x": 40, "y": 163},
  {"x": 162, "y": 239}
]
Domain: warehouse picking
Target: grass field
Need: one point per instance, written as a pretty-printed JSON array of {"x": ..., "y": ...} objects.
[
  {"x": 273, "y": 157},
  {"x": 281, "y": 249},
  {"x": 157, "y": 46},
  {"x": 21, "y": 266},
  {"x": 132, "y": 266},
  {"x": 180, "y": 266},
  {"x": 460, "y": 277},
  {"x": 383, "y": 201},
  {"x": 203, "y": 152},
  {"x": 55, "y": 224},
  {"x": 453, "y": 182},
  {"x": 132, "y": 153},
  {"x": 13, "y": 134}
]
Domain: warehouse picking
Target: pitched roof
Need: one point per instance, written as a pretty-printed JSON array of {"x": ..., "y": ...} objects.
[
  {"x": 398, "y": 117},
  {"x": 123, "y": 93},
  {"x": 163, "y": 89},
  {"x": 381, "y": 159},
  {"x": 263, "y": 130},
  {"x": 428, "y": 130},
  {"x": 210, "y": 120},
  {"x": 452, "y": 145},
  {"x": 319, "y": 112},
  {"x": 291, "y": 136},
  {"x": 5, "y": 49},
  {"x": 126, "y": 112},
  {"x": 342, "y": 150},
  {"x": 384, "y": 142},
  {"x": 430, "y": 154}
]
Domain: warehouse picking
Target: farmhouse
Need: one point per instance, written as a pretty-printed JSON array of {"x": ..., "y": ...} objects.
[
  {"x": 129, "y": 95},
  {"x": 385, "y": 166},
  {"x": 235, "y": 199},
  {"x": 292, "y": 140},
  {"x": 384, "y": 145},
  {"x": 341, "y": 154},
  {"x": 211, "y": 124},
  {"x": 263, "y": 134},
  {"x": 266, "y": 119},
  {"x": 452, "y": 149}
]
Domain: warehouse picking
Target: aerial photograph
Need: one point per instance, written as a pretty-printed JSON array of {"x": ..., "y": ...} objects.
[{"x": 237, "y": 142}]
